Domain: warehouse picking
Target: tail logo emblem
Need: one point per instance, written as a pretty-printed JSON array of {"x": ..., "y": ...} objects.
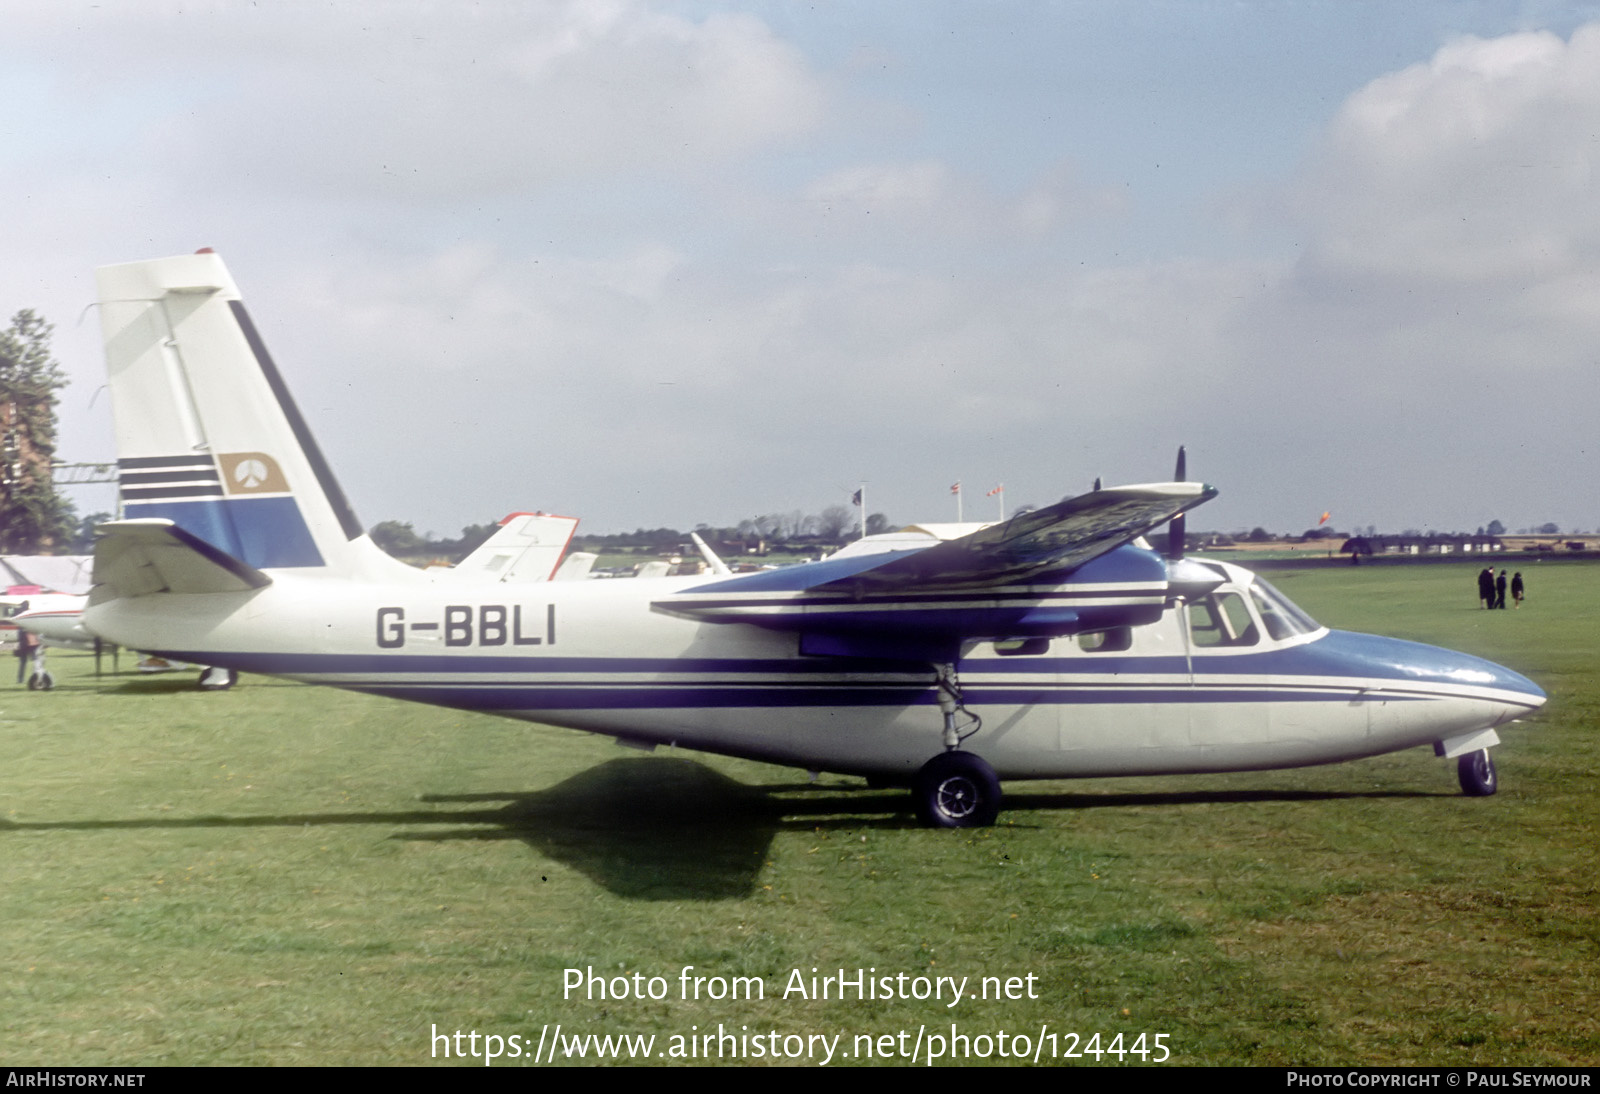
[{"x": 252, "y": 473}]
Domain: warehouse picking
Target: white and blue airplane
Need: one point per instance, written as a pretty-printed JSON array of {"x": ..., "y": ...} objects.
[{"x": 1056, "y": 644}]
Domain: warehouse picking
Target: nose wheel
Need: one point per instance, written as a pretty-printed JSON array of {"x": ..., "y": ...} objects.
[
  {"x": 1477, "y": 775},
  {"x": 957, "y": 790}
]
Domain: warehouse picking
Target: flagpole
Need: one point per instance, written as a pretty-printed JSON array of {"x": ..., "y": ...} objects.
[{"x": 956, "y": 490}]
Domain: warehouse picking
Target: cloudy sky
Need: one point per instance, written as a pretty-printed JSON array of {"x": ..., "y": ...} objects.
[{"x": 672, "y": 263}]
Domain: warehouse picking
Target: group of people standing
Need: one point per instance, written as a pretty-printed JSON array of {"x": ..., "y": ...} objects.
[{"x": 1492, "y": 589}]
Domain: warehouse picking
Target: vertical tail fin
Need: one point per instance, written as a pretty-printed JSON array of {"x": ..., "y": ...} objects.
[
  {"x": 207, "y": 433},
  {"x": 527, "y": 547}
]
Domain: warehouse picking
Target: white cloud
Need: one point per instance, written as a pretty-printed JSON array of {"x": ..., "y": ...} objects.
[
  {"x": 527, "y": 253},
  {"x": 439, "y": 100},
  {"x": 1477, "y": 165},
  {"x": 929, "y": 199}
]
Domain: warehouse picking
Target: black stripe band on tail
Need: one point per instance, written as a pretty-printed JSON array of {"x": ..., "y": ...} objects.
[{"x": 302, "y": 432}]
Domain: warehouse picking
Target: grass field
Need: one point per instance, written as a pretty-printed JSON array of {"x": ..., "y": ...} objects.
[{"x": 288, "y": 875}]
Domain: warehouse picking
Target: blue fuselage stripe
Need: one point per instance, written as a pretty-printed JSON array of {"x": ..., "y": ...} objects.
[{"x": 696, "y": 696}]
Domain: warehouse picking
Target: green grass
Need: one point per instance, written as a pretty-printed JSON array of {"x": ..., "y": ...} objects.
[{"x": 289, "y": 875}]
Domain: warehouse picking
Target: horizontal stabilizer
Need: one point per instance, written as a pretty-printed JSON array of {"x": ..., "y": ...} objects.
[{"x": 141, "y": 557}]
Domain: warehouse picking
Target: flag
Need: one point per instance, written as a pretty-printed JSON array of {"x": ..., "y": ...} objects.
[
  {"x": 1001, "y": 489},
  {"x": 955, "y": 487},
  {"x": 855, "y": 499}
]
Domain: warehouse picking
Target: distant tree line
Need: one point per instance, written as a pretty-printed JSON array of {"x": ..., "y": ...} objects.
[{"x": 401, "y": 540}]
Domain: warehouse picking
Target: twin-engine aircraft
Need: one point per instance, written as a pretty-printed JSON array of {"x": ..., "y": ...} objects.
[{"x": 1056, "y": 644}]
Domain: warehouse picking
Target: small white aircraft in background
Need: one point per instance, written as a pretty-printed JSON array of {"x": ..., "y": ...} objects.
[
  {"x": 526, "y": 547},
  {"x": 55, "y": 618},
  {"x": 17, "y": 601},
  {"x": 1052, "y": 645}
]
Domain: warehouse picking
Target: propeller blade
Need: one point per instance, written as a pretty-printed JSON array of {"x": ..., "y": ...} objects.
[{"x": 1177, "y": 528}]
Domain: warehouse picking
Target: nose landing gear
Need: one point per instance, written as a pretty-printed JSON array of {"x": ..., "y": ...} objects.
[{"x": 1475, "y": 771}]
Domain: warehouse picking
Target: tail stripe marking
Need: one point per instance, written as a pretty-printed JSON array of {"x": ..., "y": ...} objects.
[
  {"x": 157, "y": 478},
  {"x": 302, "y": 432}
]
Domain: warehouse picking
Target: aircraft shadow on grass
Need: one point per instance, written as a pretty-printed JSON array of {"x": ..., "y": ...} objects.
[{"x": 659, "y": 828}]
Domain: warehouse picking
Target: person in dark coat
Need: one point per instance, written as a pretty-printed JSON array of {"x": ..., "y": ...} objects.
[
  {"x": 1486, "y": 586},
  {"x": 1516, "y": 589},
  {"x": 27, "y": 646},
  {"x": 1500, "y": 590}
]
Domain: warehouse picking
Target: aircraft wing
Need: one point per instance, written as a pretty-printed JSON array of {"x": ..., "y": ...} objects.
[
  {"x": 1059, "y": 537},
  {"x": 1053, "y": 571},
  {"x": 152, "y": 555}
]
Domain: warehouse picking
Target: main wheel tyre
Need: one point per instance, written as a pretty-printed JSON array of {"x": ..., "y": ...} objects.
[
  {"x": 957, "y": 790},
  {"x": 1476, "y": 772},
  {"x": 41, "y": 681},
  {"x": 216, "y": 678}
]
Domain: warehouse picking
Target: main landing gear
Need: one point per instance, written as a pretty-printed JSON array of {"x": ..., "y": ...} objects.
[
  {"x": 956, "y": 789},
  {"x": 1477, "y": 775}
]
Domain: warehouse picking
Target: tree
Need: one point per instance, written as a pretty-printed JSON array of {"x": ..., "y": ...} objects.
[
  {"x": 834, "y": 522},
  {"x": 83, "y": 537},
  {"x": 396, "y": 537},
  {"x": 32, "y": 516},
  {"x": 1496, "y": 528},
  {"x": 473, "y": 536}
]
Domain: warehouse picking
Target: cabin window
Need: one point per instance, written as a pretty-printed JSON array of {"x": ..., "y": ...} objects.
[
  {"x": 1115, "y": 640},
  {"x": 1022, "y": 647},
  {"x": 1221, "y": 619}
]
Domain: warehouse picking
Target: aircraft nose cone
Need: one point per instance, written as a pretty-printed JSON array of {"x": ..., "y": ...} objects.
[
  {"x": 1515, "y": 681},
  {"x": 1479, "y": 672},
  {"x": 1423, "y": 664}
]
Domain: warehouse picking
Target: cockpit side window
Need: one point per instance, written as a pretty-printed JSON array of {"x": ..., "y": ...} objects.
[
  {"x": 1221, "y": 619},
  {"x": 1280, "y": 615}
]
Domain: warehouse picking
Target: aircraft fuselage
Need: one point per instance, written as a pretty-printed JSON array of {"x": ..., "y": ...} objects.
[{"x": 596, "y": 656}]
